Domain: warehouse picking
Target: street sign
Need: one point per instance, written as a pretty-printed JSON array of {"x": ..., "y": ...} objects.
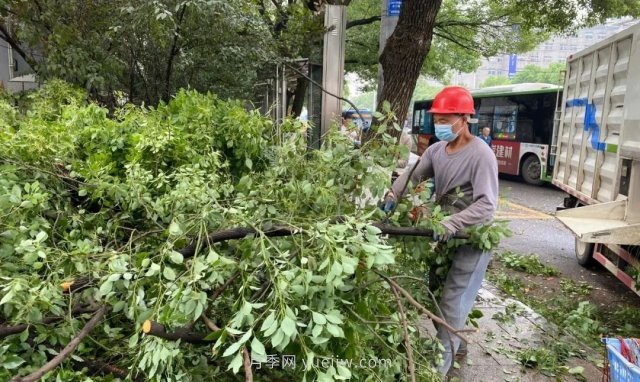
[{"x": 393, "y": 7}]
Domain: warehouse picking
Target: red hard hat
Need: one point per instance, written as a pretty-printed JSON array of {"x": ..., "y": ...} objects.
[{"x": 453, "y": 100}]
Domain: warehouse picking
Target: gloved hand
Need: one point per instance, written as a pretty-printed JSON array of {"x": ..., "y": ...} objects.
[
  {"x": 443, "y": 234},
  {"x": 389, "y": 202}
]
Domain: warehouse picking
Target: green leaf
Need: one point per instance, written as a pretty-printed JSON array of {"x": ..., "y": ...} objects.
[
  {"x": 277, "y": 338},
  {"x": 176, "y": 257},
  {"x": 343, "y": 372},
  {"x": 106, "y": 288},
  {"x": 334, "y": 317},
  {"x": 257, "y": 347},
  {"x": 576, "y": 370},
  {"x": 12, "y": 361},
  {"x": 236, "y": 363},
  {"x": 288, "y": 327},
  {"x": 233, "y": 348},
  {"x": 174, "y": 229},
  {"x": 268, "y": 322},
  {"x": 169, "y": 273},
  {"x": 317, "y": 331},
  {"x": 335, "y": 330},
  {"x": 249, "y": 163},
  {"x": 319, "y": 318}
]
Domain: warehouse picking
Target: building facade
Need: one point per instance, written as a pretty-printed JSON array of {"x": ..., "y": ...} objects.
[
  {"x": 15, "y": 74},
  {"x": 556, "y": 49}
]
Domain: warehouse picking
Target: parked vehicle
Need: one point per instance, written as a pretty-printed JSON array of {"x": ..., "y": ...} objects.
[
  {"x": 521, "y": 119},
  {"x": 598, "y": 154}
]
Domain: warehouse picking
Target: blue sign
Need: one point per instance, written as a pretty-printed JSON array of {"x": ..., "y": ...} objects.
[
  {"x": 393, "y": 7},
  {"x": 513, "y": 64}
]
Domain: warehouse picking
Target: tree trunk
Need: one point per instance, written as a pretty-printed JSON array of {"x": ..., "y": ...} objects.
[
  {"x": 404, "y": 55},
  {"x": 166, "y": 96}
]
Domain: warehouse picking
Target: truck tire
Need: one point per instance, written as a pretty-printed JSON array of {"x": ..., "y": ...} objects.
[
  {"x": 584, "y": 253},
  {"x": 531, "y": 171}
]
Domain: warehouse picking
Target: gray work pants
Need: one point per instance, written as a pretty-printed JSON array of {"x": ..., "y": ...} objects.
[{"x": 458, "y": 295}]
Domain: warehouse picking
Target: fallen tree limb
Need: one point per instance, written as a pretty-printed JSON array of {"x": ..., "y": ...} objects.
[
  {"x": 233, "y": 234},
  {"x": 15, "y": 329},
  {"x": 242, "y": 232},
  {"x": 66, "y": 352},
  {"x": 421, "y": 308},
  {"x": 156, "y": 329},
  {"x": 72, "y": 286}
]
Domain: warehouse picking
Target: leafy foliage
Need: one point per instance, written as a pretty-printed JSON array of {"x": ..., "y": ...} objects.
[
  {"x": 553, "y": 74},
  {"x": 113, "y": 200},
  {"x": 527, "y": 263},
  {"x": 495, "y": 81}
]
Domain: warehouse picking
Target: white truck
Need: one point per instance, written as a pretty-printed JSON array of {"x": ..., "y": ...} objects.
[{"x": 598, "y": 154}]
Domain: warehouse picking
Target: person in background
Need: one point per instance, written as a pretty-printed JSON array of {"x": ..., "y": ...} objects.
[
  {"x": 486, "y": 136},
  {"x": 466, "y": 186},
  {"x": 350, "y": 129}
]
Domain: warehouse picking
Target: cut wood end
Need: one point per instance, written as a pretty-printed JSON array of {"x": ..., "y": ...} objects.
[
  {"x": 146, "y": 326},
  {"x": 66, "y": 286}
]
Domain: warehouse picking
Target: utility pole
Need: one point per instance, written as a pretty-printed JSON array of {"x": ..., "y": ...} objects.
[
  {"x": 388, "y": 22},
  {"x": 333, "y": 65}
]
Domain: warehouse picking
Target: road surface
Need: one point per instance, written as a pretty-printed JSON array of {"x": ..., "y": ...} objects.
[{"x": 530, "y": 210}]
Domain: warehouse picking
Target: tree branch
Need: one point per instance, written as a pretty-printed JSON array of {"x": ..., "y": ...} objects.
[
  {"x": 420, "y": 307},
  {"x": 156, "y": 329},
  {"x": 248, "y": 374},
  {"x": 359, "y": 22},
  {"x": 173, "y": 52},
  {"x": 407, "y": 342},
  {"x": 233, "y": 234},
  {"x": 10, "y": 330},
  {"x": 66, "y": 352},
  {"x": 455, "y": 41},
  {"x": 242, "y": 232}
]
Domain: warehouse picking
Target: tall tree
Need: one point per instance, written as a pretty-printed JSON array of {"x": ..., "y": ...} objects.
[{"x": 462, "y": 32}]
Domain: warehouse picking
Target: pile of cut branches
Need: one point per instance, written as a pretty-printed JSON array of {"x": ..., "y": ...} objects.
[{"x": 188, "y": 243}]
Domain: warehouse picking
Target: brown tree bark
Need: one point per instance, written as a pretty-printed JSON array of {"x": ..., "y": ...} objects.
[{"x": 404, "y": 55}]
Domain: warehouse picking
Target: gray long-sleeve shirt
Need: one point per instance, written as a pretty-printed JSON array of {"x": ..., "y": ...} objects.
[{"x": 473, "y": 171}]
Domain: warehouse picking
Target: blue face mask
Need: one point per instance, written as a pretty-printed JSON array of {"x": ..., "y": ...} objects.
[{"x": 445, "y": 132}]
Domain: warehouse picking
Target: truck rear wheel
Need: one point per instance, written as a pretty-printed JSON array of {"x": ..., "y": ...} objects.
[
  {"x": 584, "y": 253},
  {"x": 531, "y": 171}
]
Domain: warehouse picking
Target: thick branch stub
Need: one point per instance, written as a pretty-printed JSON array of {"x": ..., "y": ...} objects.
[{"x": 156, "y": 329}]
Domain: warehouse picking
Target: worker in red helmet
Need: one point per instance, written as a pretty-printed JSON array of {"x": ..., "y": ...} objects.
[{"x": 466, "y": 186}]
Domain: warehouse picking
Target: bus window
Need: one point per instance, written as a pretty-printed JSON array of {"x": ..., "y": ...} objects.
[
  {"x": 504, "y": 119},
  {"x": 417, "y": 120},
  {"x": 484, "y": 114}
]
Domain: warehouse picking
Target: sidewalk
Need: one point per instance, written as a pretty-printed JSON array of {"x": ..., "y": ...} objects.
[{"x": 494, "y": 347}]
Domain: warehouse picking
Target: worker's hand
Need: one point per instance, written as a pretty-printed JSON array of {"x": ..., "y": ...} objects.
[
  {"x": 442, "y": 234},
  {"x": 401, "y": 163},
  {"x": 389, "y": 202}
]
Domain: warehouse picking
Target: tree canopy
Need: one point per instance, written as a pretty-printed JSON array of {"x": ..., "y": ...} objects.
[
  {"x": 552, "y": 74},
  {"x": 149, "y": 49}
]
